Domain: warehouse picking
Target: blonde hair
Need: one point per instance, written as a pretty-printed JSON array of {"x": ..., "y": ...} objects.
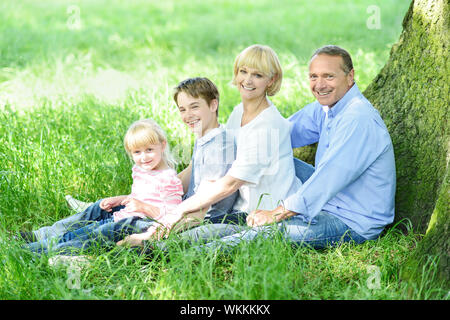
[
  {"x": 145, "y": 132},
  {"x": 264, "y": 59}
]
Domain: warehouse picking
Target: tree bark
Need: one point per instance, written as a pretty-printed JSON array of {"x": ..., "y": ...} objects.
[{"x": 412, "y": 94}]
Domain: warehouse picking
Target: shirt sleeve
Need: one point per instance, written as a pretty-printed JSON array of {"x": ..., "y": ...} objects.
[
  {"x": 217, "y": 158},
  {"x": 304, "y": 126},
  {"x": 352, "y": 149}
]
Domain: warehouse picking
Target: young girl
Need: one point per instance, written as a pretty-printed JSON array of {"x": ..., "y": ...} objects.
[{"x": 155, "y": 183}]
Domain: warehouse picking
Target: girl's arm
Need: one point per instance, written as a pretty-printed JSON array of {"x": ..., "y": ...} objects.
[{"x": 136, "y": 205}]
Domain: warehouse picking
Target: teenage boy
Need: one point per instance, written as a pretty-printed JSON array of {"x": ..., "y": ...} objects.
[{"x": 214, "y": 150}]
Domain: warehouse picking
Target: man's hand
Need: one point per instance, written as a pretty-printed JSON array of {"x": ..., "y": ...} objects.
[{"x": 263, "y": 217}]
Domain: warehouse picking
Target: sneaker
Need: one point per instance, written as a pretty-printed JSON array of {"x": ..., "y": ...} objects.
[{"x": 77, "y": 205}]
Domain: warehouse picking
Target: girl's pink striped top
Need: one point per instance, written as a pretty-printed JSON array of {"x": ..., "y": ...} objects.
[{"x": 160, "y": 188}]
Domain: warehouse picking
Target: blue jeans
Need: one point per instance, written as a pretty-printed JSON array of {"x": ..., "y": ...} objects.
[
  {"x": 84, "y": 230},
  {"x": 74, "y": 222},
  {"x": 328, "y": 231},
  {"x": 325, "y": 230}
]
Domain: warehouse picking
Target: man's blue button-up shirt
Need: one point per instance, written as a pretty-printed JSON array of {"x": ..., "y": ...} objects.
[{"x": 354, "y": 176}]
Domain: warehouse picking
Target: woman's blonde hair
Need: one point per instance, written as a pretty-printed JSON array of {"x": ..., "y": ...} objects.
[
  {"x": 145, "y": 132},
  {"x": 264, "y": 59}
]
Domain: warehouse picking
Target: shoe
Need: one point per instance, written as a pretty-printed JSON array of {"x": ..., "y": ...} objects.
[
  {"x": 27, "y": 236},
  {"x": 77, "y": 205}
]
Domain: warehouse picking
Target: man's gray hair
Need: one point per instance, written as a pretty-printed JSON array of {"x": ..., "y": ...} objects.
[{"x": 333, "y": 50}]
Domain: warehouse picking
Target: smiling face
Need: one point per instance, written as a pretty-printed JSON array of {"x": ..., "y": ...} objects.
[
  {"x": 149, "y": 157},
  {"x": 252, "y": 83},
  {"x": 328, "y": 81},
  {"x": 197, "y": 114}
]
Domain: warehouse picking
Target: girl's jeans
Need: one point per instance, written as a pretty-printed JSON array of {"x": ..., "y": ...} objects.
[{"x": 92, "y": 227}]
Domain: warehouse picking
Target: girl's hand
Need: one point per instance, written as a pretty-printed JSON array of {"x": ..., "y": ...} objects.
[
  {"x": 108, "y": 203},
  {"x": 133, "y": 205}
]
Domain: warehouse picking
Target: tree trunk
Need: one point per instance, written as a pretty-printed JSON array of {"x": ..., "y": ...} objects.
[{"x": 412, "y": 94}]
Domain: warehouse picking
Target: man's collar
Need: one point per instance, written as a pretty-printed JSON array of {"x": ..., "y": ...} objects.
[{"x": 340, "y": 105}]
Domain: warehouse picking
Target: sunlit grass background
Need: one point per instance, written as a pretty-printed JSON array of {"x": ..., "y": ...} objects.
[{"x": 75, "y": 74}]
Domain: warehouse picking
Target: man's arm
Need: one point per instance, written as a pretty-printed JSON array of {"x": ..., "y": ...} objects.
[{"x": 352, "y": 149}]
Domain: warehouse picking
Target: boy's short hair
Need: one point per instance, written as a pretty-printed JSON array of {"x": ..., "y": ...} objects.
[
  {"x": 264, "y": 59},
  {"x": 198, "y": 88}
]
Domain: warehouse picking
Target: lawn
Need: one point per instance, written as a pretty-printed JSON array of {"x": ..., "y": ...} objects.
[{"x": 75, "y": 74}]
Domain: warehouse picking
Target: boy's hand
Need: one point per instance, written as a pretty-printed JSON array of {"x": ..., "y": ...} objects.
[{"x": 134, "y": 240}]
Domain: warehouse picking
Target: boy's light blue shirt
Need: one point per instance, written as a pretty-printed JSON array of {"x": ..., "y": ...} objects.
[
  {"x": 212, "y": 157},
  {"x": 354, "y": 178}
]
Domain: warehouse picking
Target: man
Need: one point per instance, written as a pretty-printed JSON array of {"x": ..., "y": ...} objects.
[{"x": 350, "y": 194}]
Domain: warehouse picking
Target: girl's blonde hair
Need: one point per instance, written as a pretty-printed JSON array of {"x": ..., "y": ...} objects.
[
  {"x": 265, "y": 60},
  {"x": 145, "y": 132}
]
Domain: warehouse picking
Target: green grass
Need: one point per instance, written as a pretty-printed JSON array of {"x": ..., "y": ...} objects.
[{"x": 67, "y": 97}]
